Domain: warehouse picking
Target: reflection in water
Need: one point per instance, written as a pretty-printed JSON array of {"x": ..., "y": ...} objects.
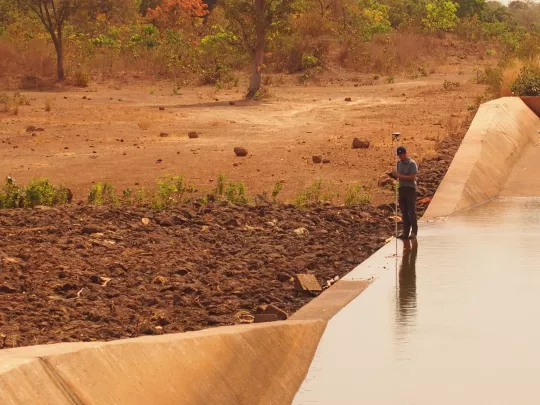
[{"x": 406, "y": 297}]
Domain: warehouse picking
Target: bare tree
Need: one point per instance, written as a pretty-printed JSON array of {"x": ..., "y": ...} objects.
[
  {"x": 53, "y": 14},
  {"x": 258, "y": 52}
]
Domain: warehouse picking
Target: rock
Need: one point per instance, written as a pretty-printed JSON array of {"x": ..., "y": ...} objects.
[
  {"x": 90, "y": 229},
  {"x": 326, "y": 161},
  {"x": 7, "y": 289},
  {"x": 306, "y": 283},
  {"x": 145, "y": 221},
  {"x": 235, "y": 164},
  {"x": 360, "y": 144},
  {"x": 159, "y": 280},
  {"x": 164, "y": 135},
  {"x": 166, "y": 222},
  {"x": 161, "y": 108},
  {"x": 316, "y": 159},
  {"x": 95, "y": 279},
  {"x": 259, "y": 318},
  {"x": 193, "y": 135},
  {"x": 384, "y": 180},
  {"x": 348, "y": 99},
  {"x": 84, "y": 98},
  {"x": 31, "y": 128},
  {"x": 182, "y": 272},
  {"x": 232, "y": 103},
  {"x": 283, "y": 277},
  {"x": 39, "y": 129},
  {"x": 272, "y": 310},
  {"x": 241, "y": 152},
  {"x": 159, "y": 161},
  {"x": 232, "y": 223}
]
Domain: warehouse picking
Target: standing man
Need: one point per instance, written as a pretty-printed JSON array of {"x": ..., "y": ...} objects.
[{"x": 406, "y": 172}]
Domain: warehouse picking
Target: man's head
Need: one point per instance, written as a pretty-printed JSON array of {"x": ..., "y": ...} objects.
[{"x": 402, "y": 153}]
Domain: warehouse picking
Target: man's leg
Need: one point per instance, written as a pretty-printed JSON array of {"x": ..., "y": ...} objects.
[
  {"x": 411, "y": 207},
  {"x": 403, "y": 206}
]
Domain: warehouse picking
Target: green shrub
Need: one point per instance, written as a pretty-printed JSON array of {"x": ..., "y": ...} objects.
[
  {"x": 171, "y": 190},
  {"x": 43, "y": 192},
  {"x": 275, "y": 192},
  {"x": 357, "y": 195},
  {"x": 10, "y": 194},
  {"x": 527, "y": 83},
  {"x": 309, "y": 61},
  {"x": 315, "y": 194},
  {"x": 101, "y": 194},
  {"x": 236, "y": 193}
]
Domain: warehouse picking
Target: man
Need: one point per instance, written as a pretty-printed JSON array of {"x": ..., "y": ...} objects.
[{"x": 406, "y": 172}]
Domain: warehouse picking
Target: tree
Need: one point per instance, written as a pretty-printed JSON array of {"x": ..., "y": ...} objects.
[
  {"x": 175, "y": 13},
  {"x": 53, "y": 14},
  {"x": 253, "y": 22},
  {"x": 441, "y": 16}
]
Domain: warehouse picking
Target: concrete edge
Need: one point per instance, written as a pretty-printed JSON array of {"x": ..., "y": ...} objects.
[
  {"x": 261, "y": 363},
  {"x": 497, "y": 136}
]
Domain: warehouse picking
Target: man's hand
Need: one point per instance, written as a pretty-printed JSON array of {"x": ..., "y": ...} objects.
[{"x": 395, "y": 175}]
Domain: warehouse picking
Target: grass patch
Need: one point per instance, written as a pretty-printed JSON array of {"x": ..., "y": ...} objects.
[
  {"x": 357, "y": 195},
  {"x": 102, "y": 194},
  {"x": 37, "y": 192}
]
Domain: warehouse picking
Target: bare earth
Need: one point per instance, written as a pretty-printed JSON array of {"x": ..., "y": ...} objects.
[
  {"x": 110, "y": 132},
  {"x": 82, "y": 273}
]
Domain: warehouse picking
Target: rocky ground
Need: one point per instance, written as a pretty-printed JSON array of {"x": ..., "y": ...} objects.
[{"x": 85, "y": 273}]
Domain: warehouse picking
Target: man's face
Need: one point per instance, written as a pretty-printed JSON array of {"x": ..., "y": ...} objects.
[{"x": 402, "y": 156}]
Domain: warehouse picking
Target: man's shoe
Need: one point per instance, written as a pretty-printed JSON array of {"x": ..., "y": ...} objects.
[{"x": 413, "y": 236}]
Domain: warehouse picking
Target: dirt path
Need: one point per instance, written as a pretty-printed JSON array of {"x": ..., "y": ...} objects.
[{"x": 112, "y": 133}]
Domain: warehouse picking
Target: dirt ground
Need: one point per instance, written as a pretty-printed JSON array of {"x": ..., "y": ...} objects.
[
  {"x": 83, "y": 273},
  {"x": 114, "y": 132}
]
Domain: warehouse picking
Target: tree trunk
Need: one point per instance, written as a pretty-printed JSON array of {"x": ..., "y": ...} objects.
[
  {"x": 258, "y": 55},
  {"x": 59, "y": 58}
]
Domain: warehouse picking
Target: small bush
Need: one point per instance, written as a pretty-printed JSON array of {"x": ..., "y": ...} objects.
[
  {"x": 276, "y": 191},
  {"x": 43, "y": 192},
  {"x": 448, "y": 85},
  {"x": 171, "y": 190},
  {"x": 10, "y": 194},
  {"x": 102, "y": 194},
  {"x": 309, "y": 61},
  {"x": 357, "y": 195},
  {"x": 315, "y": 194},
  {"x": 527, "y": 83},
  {"x": 391, "y": 79},
  {"x": 82, "y": 79},
  {"x": 235, "y": 193}
]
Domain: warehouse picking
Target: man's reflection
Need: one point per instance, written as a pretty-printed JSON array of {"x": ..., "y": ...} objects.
[{"x": 407, "y": 281}]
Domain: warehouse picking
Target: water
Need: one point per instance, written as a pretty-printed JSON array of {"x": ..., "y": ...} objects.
[{"x": 458, "y": 323}]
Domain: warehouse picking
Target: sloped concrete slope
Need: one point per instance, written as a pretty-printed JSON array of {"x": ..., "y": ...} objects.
[
  {"x": 497, "y": 137},
  {"x": 254, "y": 364}
]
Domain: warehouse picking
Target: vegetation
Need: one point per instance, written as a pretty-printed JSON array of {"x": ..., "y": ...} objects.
[
  {"x": 209, "y": 41},
  {"x": 37, "y": 192}
]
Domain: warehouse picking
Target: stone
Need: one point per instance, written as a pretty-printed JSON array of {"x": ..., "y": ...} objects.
[
  {"x": 241, "y": 152},
  {"x": 260, "y": 318},
  {"x": 90, "y": 229},
  {"x": 283, "y": 277},
  {"x": 316, "y": 159},
  {"x": 193, "y": 135},
  {"x": 161, "y": 108},
  {"x": 164, "y": 134},
  {"x": 31, "y": 128},
  {"x": 145, "y": 221},
  {"x": 95, "y": 279},
  {"x": 306, "y": 283},
  {"x": 232, "y": 103},
  {"x": 360, "y": 144},
  {"x": 273, "y": 310},
  {"x": 326, "y": 161},
  {"x": 348, "y": 99},
  {"x": 159, "y": 280},
  {"x": 7, "y": 289}
]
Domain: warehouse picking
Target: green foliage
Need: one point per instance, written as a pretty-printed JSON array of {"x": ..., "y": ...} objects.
[
  {"x": 278, "y": 187},
  {"x": 234, "y": 192},
  {"x": 492, "y": 76},
  {"x": 528, "y": 82},
  {"x": 309, "y": 61},
  {"x": 102, "y": 194},
  {"x": 314, "y": 194},
  {"x": 440, "y": 16},
  {"x": 37, "y": 192},
  {"x": 357, "y": 195},
  {"x": 81, "y": 79},
  {"x": 11, "y": 196},
  {"x": 448, "y": 85},
  {"x": 170, "y": 191}
]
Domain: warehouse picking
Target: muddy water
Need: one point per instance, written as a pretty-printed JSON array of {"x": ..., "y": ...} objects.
[{"x": 457, "y": 321}]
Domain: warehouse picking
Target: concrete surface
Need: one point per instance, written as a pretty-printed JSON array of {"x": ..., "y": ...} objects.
[
  {"x": 455, "y": 324},
  {"x": 251, "y": 364},
  {"x": 500, "y": 132}
]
